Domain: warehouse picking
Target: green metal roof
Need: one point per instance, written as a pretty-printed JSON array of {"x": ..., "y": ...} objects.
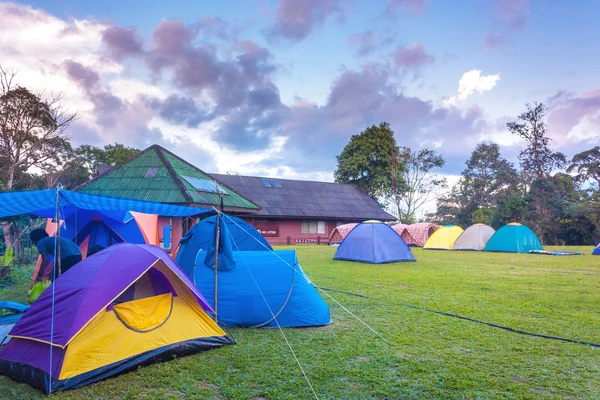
[{"x": 156, "y": 175}]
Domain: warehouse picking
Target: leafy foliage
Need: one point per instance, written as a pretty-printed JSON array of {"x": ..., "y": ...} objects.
[
  {"x": 537, "y": 160},
  {"x": 368, "y": 161},
  {"x": 419, "y": 182}
]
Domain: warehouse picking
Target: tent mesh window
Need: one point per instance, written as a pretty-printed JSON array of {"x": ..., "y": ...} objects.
[{"x": 152, "y": 283}]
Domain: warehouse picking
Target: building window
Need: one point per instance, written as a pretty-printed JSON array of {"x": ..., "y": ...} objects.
[{"x": 314, "y": 227}]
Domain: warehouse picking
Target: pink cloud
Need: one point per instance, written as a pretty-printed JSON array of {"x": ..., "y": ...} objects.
[
  {"x": 296, "y": 19},
  {"x": 494, "y": 40},
  {"x": 412, "y": 56},
  {"x": 413, "y": 6},
  {"x": 514, "y": 12}
]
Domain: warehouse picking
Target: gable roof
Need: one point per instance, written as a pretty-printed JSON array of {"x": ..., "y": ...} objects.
[
  {"x": 158, "y": 175},
  {"x": 306, "y": 199}
]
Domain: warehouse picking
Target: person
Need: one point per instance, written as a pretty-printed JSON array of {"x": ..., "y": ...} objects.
[{"x": 69, "y": 252}]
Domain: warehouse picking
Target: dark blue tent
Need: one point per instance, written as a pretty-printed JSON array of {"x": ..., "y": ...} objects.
[
  {"x": 596, "y": 251},
  {"x": 373, "y": 242},
  {"x": 196, "y": 242},
  {"x": 261, "y": 286}
]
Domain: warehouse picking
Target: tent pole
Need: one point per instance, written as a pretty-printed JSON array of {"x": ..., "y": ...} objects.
[{"x": 216, "y": 264}]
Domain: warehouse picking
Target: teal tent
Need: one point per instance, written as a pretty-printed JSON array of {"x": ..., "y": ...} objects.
[{"x": 513, "y": 238}]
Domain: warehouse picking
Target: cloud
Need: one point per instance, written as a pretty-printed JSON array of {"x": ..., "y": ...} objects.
[
  {"x": 413, "y": 6},
  {"x": 360, "y": 98},
  {"x": 513, "y": 12},
  {"x": 297, "y": 19},
  {"x": 122, "y": 42},
  {"x": 574, "y": 118},
  {"x": 367, "y": 42},
  {"x": 473, "y": 82},
  {"x": 412, "y": 56},
  {"x": 494, "y": 40}
]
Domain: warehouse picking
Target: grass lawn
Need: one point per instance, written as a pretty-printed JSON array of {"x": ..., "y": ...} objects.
[{"x": 430, "y": 356}]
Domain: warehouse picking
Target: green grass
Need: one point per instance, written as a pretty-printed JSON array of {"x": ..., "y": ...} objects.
[{"x": 430, "y": 356}]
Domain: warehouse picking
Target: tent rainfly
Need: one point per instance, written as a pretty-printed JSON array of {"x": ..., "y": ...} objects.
[
  {"x": 373, "y": 242},
  {"x": 513, "y": 238},
  {"x": 126, "y": 306},
  {"x": 443, "y": 238},
  {"x": 474, "y": 238}
]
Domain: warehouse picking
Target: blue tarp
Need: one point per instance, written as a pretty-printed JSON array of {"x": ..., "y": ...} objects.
[
  {"x": 288, "y": 294},
  {"x": 194, "y": 244},
  {"x": 42, "y": 203},
  {"x": 375, "y": 243},
  {"x": 10, "y": 313}
]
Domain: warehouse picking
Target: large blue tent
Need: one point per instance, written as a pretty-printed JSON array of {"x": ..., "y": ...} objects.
[
  {"x": 256, "y": 286},
  {"x": 373, "y": 242},
  {"x": 197, "y": 241}
]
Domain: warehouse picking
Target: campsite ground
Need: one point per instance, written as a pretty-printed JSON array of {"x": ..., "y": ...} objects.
[{"x": 429, "y": 355}]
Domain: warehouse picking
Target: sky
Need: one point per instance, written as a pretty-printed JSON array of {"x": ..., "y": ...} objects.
[{"x": 278, "y": 87}]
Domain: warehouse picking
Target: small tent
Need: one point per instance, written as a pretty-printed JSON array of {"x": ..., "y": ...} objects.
[
  {"x": 126, "y": 306},
  {"x": 596, "y": 251},
  {"x": 513, "y": 238},
  {"x": 340, "y": 232},
  {"x": 443, "y": 238},
  {"x": 474, "y": 237},
  {"x": 373, "y": 242},
  {"x": 10, "y": 313},
  {"x": 421, "y": 231},
  {"x": 256, "y": 286},
  {"x": 402, "y": 230},
  {"x": 196, "y": 241}
]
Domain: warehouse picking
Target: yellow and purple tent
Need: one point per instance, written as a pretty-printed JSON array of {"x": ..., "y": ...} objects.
[{"x": 126, "y": 306}]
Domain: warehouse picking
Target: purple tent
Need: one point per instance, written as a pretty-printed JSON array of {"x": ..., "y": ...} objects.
[{"x": 89, "y": 294}]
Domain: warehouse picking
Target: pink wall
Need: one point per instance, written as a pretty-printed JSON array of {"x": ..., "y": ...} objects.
[
  {"x": 176, "y": 230},
  {"x": 293, "y": 229}
]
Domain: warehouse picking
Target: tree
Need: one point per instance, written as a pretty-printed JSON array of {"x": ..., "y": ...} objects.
[
  {"x": 368, "y": 161},
  {"x": 32, "y": 133},
  {"x": 545, "y": 207},
  {"x": 587, "y": 166},
  {"x": 32, "y": 128},
  {"x": 454, "y": 207},
  {"x": 538, "y": 160},
  {"x": 419, "y": 182},
  {"x": 488, "y": 174}
]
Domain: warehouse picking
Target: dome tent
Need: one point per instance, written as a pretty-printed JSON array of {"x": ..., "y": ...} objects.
[
  {"x": 513, "y": 238},
  {"x": 126, "y": 306},
  {"x": 596, "y": 251},
  {"x": 474, "y": 237},
  {"x": 255, "y": 288},
  {"x": 443, "y": 238},
  {"x": 373, "y": 242},
  {"x": 421, "y": 231},
  {"x": 403, "y": 231},
  {"x": 340, "y": 232}
]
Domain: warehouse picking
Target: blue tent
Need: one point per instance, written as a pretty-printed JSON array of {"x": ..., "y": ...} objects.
[
  {"x": 261, "y": 286},
  {"x": 373, "y": 242},
  {"x": 257, "y": 286},
  {"x": 596, "y": 251},
  {"x": 196, "y": 242}
]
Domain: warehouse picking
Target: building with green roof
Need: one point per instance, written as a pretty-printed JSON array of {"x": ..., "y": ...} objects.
[{"x": 158, "y": 175}]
